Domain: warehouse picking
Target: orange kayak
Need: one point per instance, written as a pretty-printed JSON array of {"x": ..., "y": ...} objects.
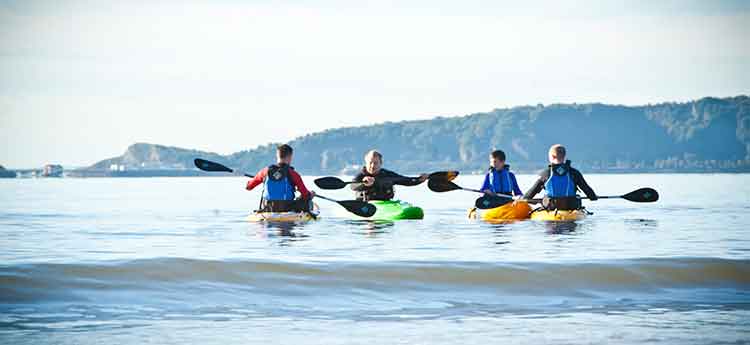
[{"x": 511, "y": 211}]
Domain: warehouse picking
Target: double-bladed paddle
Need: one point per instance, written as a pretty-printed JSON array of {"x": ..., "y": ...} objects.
[
  {"x": 497, "y": 200},
  {"x": 484, "y": 202},
  {"x": 360, "y": 208},
  {"x": 440, "y": 185},
  {"x": 638, "y": 195},
  {"x": 332, "y": 182}
]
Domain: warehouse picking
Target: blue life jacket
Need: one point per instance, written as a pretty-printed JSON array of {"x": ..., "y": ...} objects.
[
  {"x": 560, "y": 184},
  {"x": 500, "y": 181},
  {"x": 278, "y": 185}
]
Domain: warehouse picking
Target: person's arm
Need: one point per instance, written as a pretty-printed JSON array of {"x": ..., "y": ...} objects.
[
  {"x": 297, "y": 182},
  {"x": 582, "y": 185},
  {"x": 486, "y": 183},
  {"x": 538, "y": 185},
  {"x": 516, "y": 188},
  {"x": 358, "y": 186},
  {"x": 258, "y": 179}
]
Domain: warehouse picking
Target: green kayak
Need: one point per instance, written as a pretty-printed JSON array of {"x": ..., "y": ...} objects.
[{"x": 396, "y": 209}]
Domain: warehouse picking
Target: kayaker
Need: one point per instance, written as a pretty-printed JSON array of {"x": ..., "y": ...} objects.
[
  {"x": 375, "y": 183},
  {"x": 279, "y": 183},
  {"x": 560, "y": 182},
  {"x": 499, "y": 179}
]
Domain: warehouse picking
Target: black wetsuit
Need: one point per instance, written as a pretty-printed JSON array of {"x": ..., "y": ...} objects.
[{"x": 382, "y": 189}]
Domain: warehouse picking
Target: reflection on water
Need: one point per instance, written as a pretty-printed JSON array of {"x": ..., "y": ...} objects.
[
  {"x": 284, "y": 230},
  {"x": 370, "y": 227},
  {"x": 641, "y": 223},
  {"x": 560, "y": 228}
]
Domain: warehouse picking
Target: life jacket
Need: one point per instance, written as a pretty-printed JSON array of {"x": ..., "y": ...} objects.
[
  {"x": 500, "y": 181},
  {"x": 560, "y": 184},
  {"x": 278, "y": 185}
]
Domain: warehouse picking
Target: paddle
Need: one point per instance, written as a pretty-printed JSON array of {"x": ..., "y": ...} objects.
[
  {"x": 491, "y": 201},
  {"x": 484, "y": 202},
  {"x": 638, "y": 195},
  {"x": 213, "y": 166},
  {"x": 440, "y": 185},
  {"x": 331, "y": 182},
  {"x": 360, "y": 208}
]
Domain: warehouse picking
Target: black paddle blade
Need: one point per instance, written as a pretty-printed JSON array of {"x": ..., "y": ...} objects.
[
  {"x": 491, "y": 201},
  {"x": 441, "y": 185},
  {"x": 210, "y": 166},
  {"x": 360, "y": 208},
  {"x": 642, "y": 195},
  {"x": 445, "y": 175},
  {"x": 330, "y": 182}
]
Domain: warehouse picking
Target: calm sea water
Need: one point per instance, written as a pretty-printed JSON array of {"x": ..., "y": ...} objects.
[{"x": 171, "y": 260}]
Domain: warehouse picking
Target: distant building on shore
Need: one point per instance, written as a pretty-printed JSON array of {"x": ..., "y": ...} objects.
[
  {"x": 52, "y": 170},
  {"x": 117, "y": 167}
]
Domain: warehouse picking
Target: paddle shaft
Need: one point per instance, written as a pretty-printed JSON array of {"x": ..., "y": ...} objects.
[
  {"x": 325, "y": 198},
  {"x": 479, "y": 191},
  {"x": 582, "y": 198},
  {"x": 387, "y": 178}
]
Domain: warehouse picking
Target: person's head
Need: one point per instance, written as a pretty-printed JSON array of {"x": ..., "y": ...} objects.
[
  {"x": 497, "y": 159},
  {"x": 284, "y": 154},
  {"x": 373, "y": 161},
  {"x": 557, "y": 154}
]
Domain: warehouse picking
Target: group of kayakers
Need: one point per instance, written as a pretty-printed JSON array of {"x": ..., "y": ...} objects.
[{"x": 559, "y": 180}]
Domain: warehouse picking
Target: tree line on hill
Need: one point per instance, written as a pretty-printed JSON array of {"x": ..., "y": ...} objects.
[{"x": 707, "y": 135}]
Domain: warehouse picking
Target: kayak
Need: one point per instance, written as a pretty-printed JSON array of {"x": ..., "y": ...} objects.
[
  {"x": 510, "y": 211},
  {"x": 558, "y": 215},
  {"x": 395, "y": 210},
  {"x": 284, "y": 217}
]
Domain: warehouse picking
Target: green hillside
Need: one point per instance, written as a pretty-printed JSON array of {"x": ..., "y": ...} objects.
[{"x": 710, "y": 134}]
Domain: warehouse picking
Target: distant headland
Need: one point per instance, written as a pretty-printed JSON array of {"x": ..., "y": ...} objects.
[{"x": 706, "y": 135}]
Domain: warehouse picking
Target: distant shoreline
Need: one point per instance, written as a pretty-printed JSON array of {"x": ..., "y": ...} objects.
[{"x": 198, "y": 173}]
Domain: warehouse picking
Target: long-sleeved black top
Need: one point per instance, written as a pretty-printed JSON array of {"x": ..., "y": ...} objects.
[
  {"x": 382, "y": 189},
  {"x": 574, "y": 174}
]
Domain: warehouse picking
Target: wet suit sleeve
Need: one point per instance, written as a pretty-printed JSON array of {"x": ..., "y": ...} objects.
[
  {"x": 297, "y": 181},
  {"x": 538, "y": 185},
  {"x": 358, "y": 186},
  {"x": 258, "y": 179},
  {"x": 582, "y": 185},
  {"x": 516, "y": 188}
]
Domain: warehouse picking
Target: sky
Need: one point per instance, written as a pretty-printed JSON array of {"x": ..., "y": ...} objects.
[{"x": 82, "y": 80}]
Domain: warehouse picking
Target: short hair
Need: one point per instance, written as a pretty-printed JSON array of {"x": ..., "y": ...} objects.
[
  {"x": 375, "y": 154},
  {"x": 558, "y": 151},
  {"x": 498, "y": 154},
  {"x": 284, "y": 150}
]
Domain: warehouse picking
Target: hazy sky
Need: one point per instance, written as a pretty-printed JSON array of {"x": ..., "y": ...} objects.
[{"x": 80, "y": 81}]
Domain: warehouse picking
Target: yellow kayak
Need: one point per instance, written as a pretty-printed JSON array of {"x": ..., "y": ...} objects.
[
  {"x": 558, "y": 215},
  {"x": 508, "y": 212},
  {"x": 284, "y": 217}
]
